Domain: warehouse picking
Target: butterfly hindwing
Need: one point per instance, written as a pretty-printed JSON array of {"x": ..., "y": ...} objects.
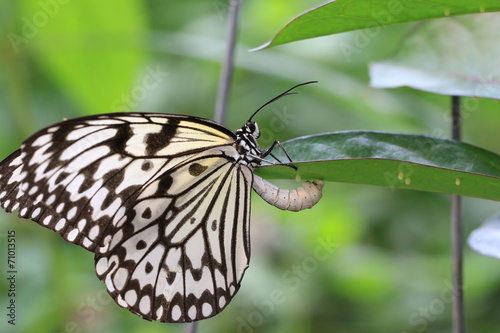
[
  {"x": 161, "y": 199},
  {"x": 175, "y": 265}
]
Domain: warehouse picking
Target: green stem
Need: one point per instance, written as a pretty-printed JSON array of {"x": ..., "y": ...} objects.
[
  {"x": 227, "y": 67},
  {"x": 456, "y": 232}
]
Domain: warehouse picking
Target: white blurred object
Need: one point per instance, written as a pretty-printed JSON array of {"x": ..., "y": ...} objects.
[{"x": 486, "y": 239}]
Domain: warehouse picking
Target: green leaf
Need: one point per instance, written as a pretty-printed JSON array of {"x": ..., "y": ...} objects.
[
  {"x": 91, "y": 49},
  {"x": 393, "y": 160},
  {"x": 346, "y": 15},
  {"x": 455, "y": 56}
]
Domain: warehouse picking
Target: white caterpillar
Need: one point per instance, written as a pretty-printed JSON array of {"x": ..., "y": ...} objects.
[{"x": 303, "y": 197}]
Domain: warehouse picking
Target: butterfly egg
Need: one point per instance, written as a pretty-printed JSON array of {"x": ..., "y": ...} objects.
[{"x": 303, "y": 197}]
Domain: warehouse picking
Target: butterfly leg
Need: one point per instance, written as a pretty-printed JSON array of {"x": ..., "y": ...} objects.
[{"x": 269, "y": 150}]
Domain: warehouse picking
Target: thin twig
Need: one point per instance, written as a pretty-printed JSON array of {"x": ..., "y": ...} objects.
[
  {"x": 191, "y": 327},
  {"x": 227, "y": 67},
  {"x": 456, "y": 118},
  {"x": 456, "y": 232}
]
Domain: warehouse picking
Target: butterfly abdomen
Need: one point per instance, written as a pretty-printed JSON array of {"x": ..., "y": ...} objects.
[{"x": 295, "y": 200}]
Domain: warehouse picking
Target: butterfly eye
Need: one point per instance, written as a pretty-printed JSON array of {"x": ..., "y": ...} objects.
[{"x": 253, "y": 129}]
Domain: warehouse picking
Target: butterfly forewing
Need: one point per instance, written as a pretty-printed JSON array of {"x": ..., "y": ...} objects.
[{"x": 162, "y": 200}]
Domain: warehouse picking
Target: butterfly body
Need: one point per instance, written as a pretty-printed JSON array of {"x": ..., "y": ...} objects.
[{"x": 163, "y": 201}]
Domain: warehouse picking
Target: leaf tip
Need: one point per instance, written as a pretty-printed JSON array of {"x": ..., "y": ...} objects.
[{"x": 258, "y": 48}]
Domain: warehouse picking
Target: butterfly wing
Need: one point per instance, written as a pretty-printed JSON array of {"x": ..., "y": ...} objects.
[
  {"x": 182, "y": 261},
  {"x": 161, "y": 200}
]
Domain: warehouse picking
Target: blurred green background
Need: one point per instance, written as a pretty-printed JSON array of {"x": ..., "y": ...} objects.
[{"x": 365, "y": 259}]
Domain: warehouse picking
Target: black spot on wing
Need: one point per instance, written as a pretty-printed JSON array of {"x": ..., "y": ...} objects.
[
  {"x": 146, "y": 165},
  {"x": 164, "y": 184},
  {"x": 122, "y": 136},
  {"x": 140, "y": 245},
  {"x": 171, "y": 277},
  {"x": 157, "y": 141},
  {"x": 62, "y": 176},
  {"x": 146, "y": 214},
  {"x": 88, "y": 173},
  {"x": 197, "y": 169}
]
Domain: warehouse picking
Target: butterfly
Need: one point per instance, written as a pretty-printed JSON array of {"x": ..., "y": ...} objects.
[{"x": 163, "y": 200}]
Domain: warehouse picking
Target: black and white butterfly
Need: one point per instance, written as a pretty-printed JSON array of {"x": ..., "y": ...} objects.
[{"x": 163, "y": 200}]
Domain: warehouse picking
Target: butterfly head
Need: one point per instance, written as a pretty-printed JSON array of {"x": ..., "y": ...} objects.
[
  {"x": 246, "y": 142},
  {"x": 252, "y": 129},
  {"x": 246, "y": 137}
]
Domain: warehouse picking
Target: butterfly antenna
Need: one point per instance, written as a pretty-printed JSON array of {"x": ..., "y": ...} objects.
[{"x": 286, "y": 93}]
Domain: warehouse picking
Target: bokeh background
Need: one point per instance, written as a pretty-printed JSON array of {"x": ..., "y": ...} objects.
[{"x": 365, "y": 259}]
